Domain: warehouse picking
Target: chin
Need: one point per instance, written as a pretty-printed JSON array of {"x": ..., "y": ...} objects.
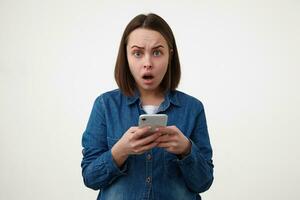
[{"x": 150, "y": 88}]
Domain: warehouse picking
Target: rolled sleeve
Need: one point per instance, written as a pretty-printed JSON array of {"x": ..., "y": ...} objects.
[
  {"x": 98, "y": 166},
  {"x": 112, "y": 169},
  {"x": 196, "y": 170}
]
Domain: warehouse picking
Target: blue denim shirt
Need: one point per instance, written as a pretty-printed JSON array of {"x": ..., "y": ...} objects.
[{"x": 156, "y": 174}]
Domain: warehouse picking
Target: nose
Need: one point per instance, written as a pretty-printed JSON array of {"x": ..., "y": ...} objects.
[
  {"x": 147, "y": 66},
  {"x": 147, "y": 62}
]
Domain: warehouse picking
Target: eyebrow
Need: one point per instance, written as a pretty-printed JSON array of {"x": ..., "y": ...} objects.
[{"x": 156, "y": 47}]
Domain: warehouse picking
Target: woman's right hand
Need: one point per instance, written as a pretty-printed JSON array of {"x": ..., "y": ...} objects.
[{"x": 134, "y": 141}]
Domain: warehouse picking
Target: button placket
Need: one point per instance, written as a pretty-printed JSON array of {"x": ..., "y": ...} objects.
[
  {"x": 149, "y": 157},
  {"x": 148, "y": 180},
  {"x": 149, "y": 162}
]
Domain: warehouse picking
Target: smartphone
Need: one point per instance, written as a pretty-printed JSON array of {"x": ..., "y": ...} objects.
[{"x": 153, "y": 120}]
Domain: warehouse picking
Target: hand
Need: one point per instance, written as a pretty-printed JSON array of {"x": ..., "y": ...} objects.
[
  {"x": 174, "y": 141},
  {"x": 134, "y": 141}
]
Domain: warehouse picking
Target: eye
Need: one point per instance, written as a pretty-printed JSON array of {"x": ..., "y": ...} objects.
[
  {"x": 137, "y": 54},
  {"x": 157, "y": 53}
]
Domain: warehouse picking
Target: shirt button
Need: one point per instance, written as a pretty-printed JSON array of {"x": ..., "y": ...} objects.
[
  {"x": 148, "y": 180},
  {"x": 149, "y": 157}
]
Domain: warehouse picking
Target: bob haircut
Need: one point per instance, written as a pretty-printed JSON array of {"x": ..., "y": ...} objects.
[{"x": 122, "y": 72}]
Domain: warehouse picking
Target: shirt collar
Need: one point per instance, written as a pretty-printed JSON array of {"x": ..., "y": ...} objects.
[
  {"x": 170, "y": 97},
  {"x": 134, "y": 98}
]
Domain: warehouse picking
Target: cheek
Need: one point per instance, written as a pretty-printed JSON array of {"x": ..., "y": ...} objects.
[
  {"x": 132, "y": 62},
  {"x": 133, "y": 69},
  {"x": 163, "y": 67}
]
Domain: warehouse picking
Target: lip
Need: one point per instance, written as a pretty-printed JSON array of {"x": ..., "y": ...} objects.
[
  {"x": 147, "y": 74},
  {"x": 148, "y": 81}
]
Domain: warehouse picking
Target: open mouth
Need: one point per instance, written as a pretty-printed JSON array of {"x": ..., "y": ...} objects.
[{"x": 148, "y": 77}]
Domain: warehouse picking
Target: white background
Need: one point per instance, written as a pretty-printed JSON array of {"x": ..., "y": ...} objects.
[{"x": 240, "y": 58}]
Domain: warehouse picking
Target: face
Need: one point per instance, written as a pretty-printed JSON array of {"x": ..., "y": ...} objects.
[{"x": 148, "y": 56}]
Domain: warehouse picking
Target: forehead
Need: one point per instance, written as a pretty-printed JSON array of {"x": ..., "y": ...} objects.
[{"x": 145, "y": 37}]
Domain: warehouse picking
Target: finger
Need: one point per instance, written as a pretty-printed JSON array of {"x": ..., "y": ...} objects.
[
  {"x": 164, "y": 138},
  {"x": 163, "y": 130},
  {"x": 140, "y": 132},
  {"x": 148, "y": 147},
  {"x": 164, "y": 144},
  {"x": 167, "y": 130},
  {"x": 148, "y": 139},
  {"x": 133, "y": 129}
]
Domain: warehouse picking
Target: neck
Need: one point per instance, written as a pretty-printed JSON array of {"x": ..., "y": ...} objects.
[{"x": 152, "y": 97}]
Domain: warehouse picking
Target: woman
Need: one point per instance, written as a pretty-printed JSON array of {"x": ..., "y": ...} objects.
[{"x": 126, "y": 162}]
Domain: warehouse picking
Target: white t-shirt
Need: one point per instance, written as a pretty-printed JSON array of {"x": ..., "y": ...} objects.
[{"x": 150, "y": 109}]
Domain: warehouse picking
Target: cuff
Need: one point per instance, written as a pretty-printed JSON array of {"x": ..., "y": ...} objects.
[
  {"x": 188, "y": 159},
  {"x": 111, "y": 166}
]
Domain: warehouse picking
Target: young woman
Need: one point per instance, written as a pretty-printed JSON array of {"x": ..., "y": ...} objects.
[{"x": 126, "y": 162}]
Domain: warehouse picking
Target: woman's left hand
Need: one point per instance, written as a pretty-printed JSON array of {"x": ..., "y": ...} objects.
[{"x": 174, "y": 141}]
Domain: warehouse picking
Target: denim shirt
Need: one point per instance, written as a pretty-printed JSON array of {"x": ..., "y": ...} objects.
[{"x": 156, "y": 174}]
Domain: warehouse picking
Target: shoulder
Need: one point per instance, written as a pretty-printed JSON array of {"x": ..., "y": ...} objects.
[
  {"x": 107, "y": 96},
  {"x": 110, "y": 94},
  {"x": 113, "y": 97},
  {"x": 185, "y": 99}
]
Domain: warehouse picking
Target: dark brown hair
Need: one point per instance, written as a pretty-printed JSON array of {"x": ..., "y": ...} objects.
[{"x": 123, "y": 75}]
